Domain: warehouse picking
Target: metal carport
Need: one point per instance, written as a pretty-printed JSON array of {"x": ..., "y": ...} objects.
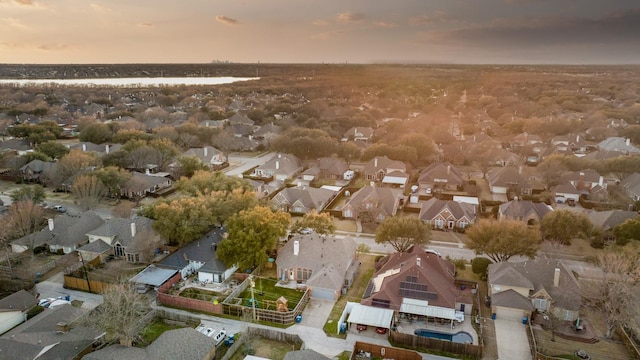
[{"x": 371, "y": 316}]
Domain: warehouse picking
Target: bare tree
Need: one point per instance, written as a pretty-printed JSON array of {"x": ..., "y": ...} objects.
[
  {"x": 614, "y": 293},
  {"x": 24, "y": 218},
  {"x": 88, "y": 191},
  {"x": 123, "y": 209},
  {"x": 120, "y": 313}
]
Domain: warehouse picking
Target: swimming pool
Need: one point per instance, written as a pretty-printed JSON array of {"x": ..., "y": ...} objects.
[{"x": 459, "y": 337}]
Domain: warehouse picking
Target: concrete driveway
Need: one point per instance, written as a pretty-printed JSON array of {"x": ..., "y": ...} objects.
[
  {"x": 316, "y": 313},
  {"x": 512, "y": 340},
  {"x": 52, "y": 288}
]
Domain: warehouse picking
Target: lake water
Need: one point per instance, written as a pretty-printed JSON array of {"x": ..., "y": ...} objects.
[{"x": 127, "y": 82}]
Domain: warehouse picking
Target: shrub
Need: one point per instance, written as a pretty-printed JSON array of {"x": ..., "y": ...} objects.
[
  {"x": 597, "y": 243},
  {"x": 34, "y": 311},
  {"x": 479, "y": 265},
  {"x": 460, "y": 263}
]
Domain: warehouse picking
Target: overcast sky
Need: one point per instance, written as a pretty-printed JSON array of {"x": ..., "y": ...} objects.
[{"x": 310, "y": 31}]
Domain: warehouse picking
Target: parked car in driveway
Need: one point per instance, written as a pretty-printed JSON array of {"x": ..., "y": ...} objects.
[{"x": 60, "y": 208}]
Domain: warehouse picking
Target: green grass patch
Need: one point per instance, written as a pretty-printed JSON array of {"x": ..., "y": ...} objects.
[
  {"x": 354, "y": 294},
  {"x": 153, "y": 331},
  {"x": 266, "y": 293},
  {"x": 200, "y": 294}
]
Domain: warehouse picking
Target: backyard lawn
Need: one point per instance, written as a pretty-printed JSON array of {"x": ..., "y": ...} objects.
[
  {"x": 354, "y": 294},
  {"x": 266, "y": 293}
]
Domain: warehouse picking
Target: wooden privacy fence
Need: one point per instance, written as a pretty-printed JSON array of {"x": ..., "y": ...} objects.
[
  {"x": 416, "y": 342},
  {"x": 188, "y": 303},
  {"x": 97, "y": 287}
]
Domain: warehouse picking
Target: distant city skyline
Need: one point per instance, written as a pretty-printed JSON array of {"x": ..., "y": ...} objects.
[{"x": 327, "y": 31}]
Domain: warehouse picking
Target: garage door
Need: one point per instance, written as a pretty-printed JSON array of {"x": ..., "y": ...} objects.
[
  {"x": 320, "y": 293},
  {"x": 509, "y": 313}
]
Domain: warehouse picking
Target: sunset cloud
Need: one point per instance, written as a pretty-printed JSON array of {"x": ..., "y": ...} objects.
[
  {"x": 349, "y": 17},
  {"x": 226, "y": 20},
  {"x": 435, "y": 18},
  {"x": 99, "y": 8},
  {"x": 14, "y": 23},
  {"x": 384, "y": 24},
  {"x": 145, "y": 25},
  {"x": 53, "y": 47}
]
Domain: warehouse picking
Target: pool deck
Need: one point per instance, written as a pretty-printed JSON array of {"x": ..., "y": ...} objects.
[{"x": 409, "y": 326}]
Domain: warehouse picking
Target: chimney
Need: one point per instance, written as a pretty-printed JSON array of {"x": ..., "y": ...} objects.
[
  {"x": 296, "y": 248},
  {"x": 419, "y": 262},
  {"x": 556, "y": 277},
  {"x": 520, "y": 170},
  {"x": 628, "y": 141},
  {"x": 84, "y": 147},
  {"x": 106, "y": 149},
  {"x": 448, "y": 169},
  {"x": 133, "y": 229},
  {"x": 50, "y": 221},
  {"x": 147, "y": 172},
  {"x": 206, "y": 151},
  {"x": 601, "y": 181},
  {"x": 375, "y": 162},
  {"x": 277, "y": 165}
]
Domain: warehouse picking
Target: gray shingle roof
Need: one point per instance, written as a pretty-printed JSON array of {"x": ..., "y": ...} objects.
[
  {"x": 316, "y": 252},
  {"x": 511, "y": 299},
  {"x": 433, "y": 207},
  {"x": 202, "y": 250},
  {"x": 120, "y": 229},
  {"x": 20, "y": 300},
  {"x": 523, "y": 208},
  {"x": 308, "y": 197},
  {"x": 505, "y": 176},
  {"x": 97, "y": 247},
  {"x": 306, "y": 354},
  {"x": 606, "y": 220},
  {"x": 67, "y": 230},
  {"x": 540, "y": 273},
  {"x": 441, "y": 170}
]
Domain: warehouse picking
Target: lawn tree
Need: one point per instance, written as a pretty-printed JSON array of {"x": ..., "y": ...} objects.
[
  {"x": 88, "y": 191},
  {"x": 349, "y": 152},
  {"x": 500, "y": 240},
  {"x": 70, "y": 165},
  {"x": 615, "y": 293},
  {"x": 113, "y": 178},
  {"x": 204, "y": 182},
  {"x": 253, "y": 234},
  {"x": 321, "y": 223},
  {"x": 24, "y": 218},
  {"x": 181, "y": 220},
  {"x": 550, "y": 170},
  {"x": 34, "y": 193},
  {"x": 402, "y": 232},
  {"x": 120, "y": 313},
  {"x": 561, "y": 226},
  {"x": 187, "y": 166},
  {"x": 627, "y": 231},
  {"x": 52, "y": 149}
]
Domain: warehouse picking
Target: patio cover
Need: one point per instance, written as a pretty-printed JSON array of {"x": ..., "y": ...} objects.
[
  {"x": 421, "y": 307},
  {"x": 371, "y": 316},
  {"x": 153, "y": 276}
]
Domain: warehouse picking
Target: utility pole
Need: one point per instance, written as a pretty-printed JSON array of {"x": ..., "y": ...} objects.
[{"x": 84, "y": 269}]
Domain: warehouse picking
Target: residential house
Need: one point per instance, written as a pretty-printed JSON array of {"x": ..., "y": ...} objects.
[
  {"x": 507, "y": 180},
  {"x": 525, "y": 139},
  {"x": 332, "y": 168},
  {"x": 523, "y": 210},
  {"x": 267, "y": 132},
  {"x": 322, "y": 262},
  {"x": 183, "y": 343},
  {"x": 17, "y": 146},
  {"x": 302, "y": 199},
  {"x": 99, "y": 149},
  {"x": 35, "y": 170},
  {"x": 372, "y": 203},
  {"x": 584, "y": 179},
  {"x": 446, "y": 214},
  {"x": 49, "y": 335},
  {"x": 439, "y": 176},
  {"x": 362, "y": 133},
  {"x": 237, "y": 119},
  {"x": 502, "y": 157},
  {"x": 14, "y": 308},
  {"x": 566, "y": 191},
  {"x": 397, "y": 179},
  {"x": 378, "y": 167},
  {"x": 631, "y": 186},
  {"x": 216, "y": 124},
  {"x": 209, "y": 156},
  {"x": 139, "y": 185},
  {"x": 607, "y": 220},
  {"x": 543, "y": 285},
  {"x": 63, "y": 233},
  {"x": 134, "y": 240},
  {"x": 417, "y": 283},
  {"x": 309, "y": 175},
  {"x": 618, "y": 144},
  {"x": 306, "y": 354},
  {"x": 280, "y": 167}
]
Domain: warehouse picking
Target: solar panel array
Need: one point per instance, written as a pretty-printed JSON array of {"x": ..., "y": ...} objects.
[{"x": 412, "y": 289}]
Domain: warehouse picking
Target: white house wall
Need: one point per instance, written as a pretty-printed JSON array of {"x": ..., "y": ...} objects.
[{"x": 10, "y": 319}]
